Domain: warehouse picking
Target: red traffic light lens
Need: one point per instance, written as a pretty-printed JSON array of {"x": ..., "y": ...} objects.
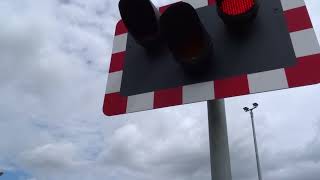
[
  {"x": 141, "y": 18},
  {"x": 236, "y": 7},
  {"x": 237, "y": 11}
]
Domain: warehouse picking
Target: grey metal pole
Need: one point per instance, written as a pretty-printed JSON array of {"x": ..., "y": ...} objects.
[
  {"x": 218, "y": 139},
  {"x": 256, "y": 146}
]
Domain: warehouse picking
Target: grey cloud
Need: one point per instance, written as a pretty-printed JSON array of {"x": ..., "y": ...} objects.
[
  {"x": 287, "y": 124},
  {"x": 161, "y": 147}
]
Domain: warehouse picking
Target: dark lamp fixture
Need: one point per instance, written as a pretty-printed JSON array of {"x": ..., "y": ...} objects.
[
  {"x": 246, "y": 109},
  {"x": 186, "y": 36},
  {"x": 141, "y": 18}
]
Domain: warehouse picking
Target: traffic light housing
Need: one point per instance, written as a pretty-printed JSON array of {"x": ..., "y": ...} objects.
[
  {"x": 141, "y": 18},
  {"x": 186, "y": 37}
]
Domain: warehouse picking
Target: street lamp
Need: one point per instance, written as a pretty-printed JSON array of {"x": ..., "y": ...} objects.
[{"x": 246, "y": 109}]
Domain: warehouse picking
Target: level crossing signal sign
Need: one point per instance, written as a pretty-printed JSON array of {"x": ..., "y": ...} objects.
[{"x": 199, "y": 50}]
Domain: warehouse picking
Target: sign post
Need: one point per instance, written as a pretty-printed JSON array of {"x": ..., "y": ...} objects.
[{"x": 218, "y": 140}]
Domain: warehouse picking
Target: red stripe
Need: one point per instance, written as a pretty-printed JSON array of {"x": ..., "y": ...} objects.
[
  {"x": 114, "y": 104},
  {"x": 168, "y": 97},
  {"x": 298, "y": 19},
  {"x": 117, "y": 62},
  {"x": 230, "y": 87},
  {"x": 164, "y": 8},
  {"x": 121, "y": 28},
  {"x": 306, "y": 72},
  {"x": 211, "y": 2}
]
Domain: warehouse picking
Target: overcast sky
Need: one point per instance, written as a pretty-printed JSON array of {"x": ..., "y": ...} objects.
[{"x": 54, "y": 55}]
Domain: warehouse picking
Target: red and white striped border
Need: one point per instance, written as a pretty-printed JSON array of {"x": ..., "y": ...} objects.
[{"x": 306, "y": 72}]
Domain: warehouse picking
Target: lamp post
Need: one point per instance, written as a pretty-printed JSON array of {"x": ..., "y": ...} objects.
[{"x": 246, "y": 109}]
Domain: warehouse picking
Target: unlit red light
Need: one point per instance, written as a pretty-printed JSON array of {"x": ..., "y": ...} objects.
[
  {"x": 141, "y": 18},
  {"x": 236, "y": 7},
  {"x": 186, "y": 37}
]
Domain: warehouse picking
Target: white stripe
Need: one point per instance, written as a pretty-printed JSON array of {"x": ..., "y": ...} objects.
[
  {"x": 291, "y": 4},
  {"x": 197, "y": 3},
  {"x": 114, "y": 82},
  {"x": 267, "y": 81},
  {"x": 140, "y": 102},
  {"x": 120, "y": 43},
  {"x": 305, "y": 42},
  {"x": 198, "y": 92}
]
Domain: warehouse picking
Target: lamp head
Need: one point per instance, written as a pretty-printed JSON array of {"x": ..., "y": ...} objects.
[
  {"x": 186, "y": 37},
  {"x": 237, "y": 12},
  {"x": 255, "y": 105},
  {"x": 141, "y": 18},
  {"x": 246, "y": 109}
]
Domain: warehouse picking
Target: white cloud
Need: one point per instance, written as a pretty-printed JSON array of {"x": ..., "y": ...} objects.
[
  {"x": 313, "y": 8},
  {"x": 51, "y": 157},
  {"x": 161, "y": 147}
]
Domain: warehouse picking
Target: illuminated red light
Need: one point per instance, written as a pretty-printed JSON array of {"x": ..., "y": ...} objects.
[
  {"x": 237, "y": 12},
  {"x": 236, "y": 7}
]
